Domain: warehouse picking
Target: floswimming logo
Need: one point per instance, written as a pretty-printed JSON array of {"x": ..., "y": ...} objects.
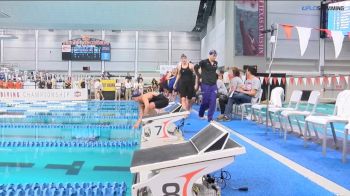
[{"x": 313, "y": 8}]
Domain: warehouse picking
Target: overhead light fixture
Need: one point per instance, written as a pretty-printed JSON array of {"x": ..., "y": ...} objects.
[{"x": 8, "y": 36}]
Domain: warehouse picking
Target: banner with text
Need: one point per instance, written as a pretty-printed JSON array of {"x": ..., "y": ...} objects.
[
  {"x": 108, "y": 85},
  {"x": 43, "y": 94},
  {"x": 249, "y": 24}
]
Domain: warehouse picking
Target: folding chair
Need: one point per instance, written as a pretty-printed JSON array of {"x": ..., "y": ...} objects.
[
  {"x": 309, "y": 110},
  {"x": 341, "y": 114}
]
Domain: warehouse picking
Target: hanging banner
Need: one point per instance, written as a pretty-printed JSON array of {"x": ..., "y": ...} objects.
[
  {"x": 249, "y": 22},
  {"x": 44, "y": 94},
  {"x": 304, "y": 37}
]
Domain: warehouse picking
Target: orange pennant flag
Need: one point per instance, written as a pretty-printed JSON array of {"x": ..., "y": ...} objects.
[
  {"x": 308, "y": 81},
  {"x": 266, "y": 80},
  {"x": 328, "y": 32},
  {"x": 300, "y": 81},
  {"x": 317, "y": 81},
  {"x": 288, "y": 30},
  {"x": 275, "y": 80},
  {"x": 291, "y": 80},
  {"x": 334, "y": 80},
  {"x": 283, "y": 80},
  {"x": 342, "y": 79},
  {"x": 325, "y": 80}
]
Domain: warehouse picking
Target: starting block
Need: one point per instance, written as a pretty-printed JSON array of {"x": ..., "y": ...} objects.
[
  {"x": 173, "y": 169},
  {"x": 160, "y": 128}
]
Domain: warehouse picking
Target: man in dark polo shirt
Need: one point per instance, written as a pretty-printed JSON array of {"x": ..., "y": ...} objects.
[{"x": 208, "y": 84}]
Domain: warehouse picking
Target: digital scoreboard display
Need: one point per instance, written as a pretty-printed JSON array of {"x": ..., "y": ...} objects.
[
  {"x": 86, "y": 50},
  {"x": 339, "y": 17}
]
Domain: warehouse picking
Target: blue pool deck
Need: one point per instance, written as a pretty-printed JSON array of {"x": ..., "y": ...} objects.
[{"x": 24, "y": 161}]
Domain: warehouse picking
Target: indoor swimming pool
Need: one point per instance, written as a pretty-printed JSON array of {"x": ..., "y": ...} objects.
[{"x": 85, "y": 145}]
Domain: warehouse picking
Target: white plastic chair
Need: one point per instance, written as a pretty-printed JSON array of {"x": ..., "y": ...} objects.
[
  {"x": 243, "y": 107},
  {"x": 294, "y": 100},
  {"x": 341, "y": 114},
  {"x": 277, "y": 95},
  {"x": 309, "y": 110}
]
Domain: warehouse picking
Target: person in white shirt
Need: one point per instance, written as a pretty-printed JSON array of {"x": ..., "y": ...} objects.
[
  {"x": 139, "y": 85},
  {"x": 98, "y": 90},
  {"x": 118, "y": 92},
  {"x": 128, "y": 89}
]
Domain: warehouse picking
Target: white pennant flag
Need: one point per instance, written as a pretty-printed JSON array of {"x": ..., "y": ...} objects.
[
  {"x": 304, "y": 37},
  {"x": 321, "y": 81},
  {"x": 262, "y": 80},
  {"x": 279, "y": 80},
  {"x": 346, "y": 79},
  {"x": 313, "y": 81},
  {"x": 287, "y": 81},
  {"x": 338, "y": 39},
  {"x": 338, "y": 79},
  {"x": 270, "y": 80}
]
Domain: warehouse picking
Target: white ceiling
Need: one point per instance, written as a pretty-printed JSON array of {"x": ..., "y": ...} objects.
[{"x": 108, "y": 15}]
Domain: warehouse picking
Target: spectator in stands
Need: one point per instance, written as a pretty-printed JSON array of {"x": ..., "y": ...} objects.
[
  {"x": 208, "y": 69},
  {"x": 139, "y": 86},
  {"x": 10, "y": 84},
  {"x": 123, "y": 90},
  {"x": 245, "y": 93},
  {"x": 118, "y": 92},
  {"x": 54, "y": 82},
  {"x": 128, "y": 77},
  {"x": 235, "y": 82},
  {"x": 154, "y": 85},
  {"x": 98, "y": 90},
  {"x": 68, "y": 83},
  {"x": 41, "y": 83},
  {"x": 184, "y": 82},
  {"x": 222, "y": 93},
  {"x": 139, "y": 78},
  {"x": 49, "y": 84},
  {"x": 128, "y": 89}
]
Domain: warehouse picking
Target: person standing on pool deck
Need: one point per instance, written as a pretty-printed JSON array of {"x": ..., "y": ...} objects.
[
  {"x": 208, "y": 85},
  {"x": 148, "y": 103},
  {"x": 185, "y": 82}
]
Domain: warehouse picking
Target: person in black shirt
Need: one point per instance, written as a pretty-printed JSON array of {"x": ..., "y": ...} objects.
[
  {"x": 185, "y": 82},
  {"x": 208, "y": 84}
]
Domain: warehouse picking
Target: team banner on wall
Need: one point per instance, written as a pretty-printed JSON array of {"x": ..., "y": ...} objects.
[
  {"x": 249, "y": 24},
  {"x": 44, "y": 94},
  {"x": 108, "y": 85}
]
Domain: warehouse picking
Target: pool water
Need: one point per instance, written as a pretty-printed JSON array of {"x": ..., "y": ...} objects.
[
  {"x": 85, "y": 121},
  {"x": 37, "y": 165}
]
